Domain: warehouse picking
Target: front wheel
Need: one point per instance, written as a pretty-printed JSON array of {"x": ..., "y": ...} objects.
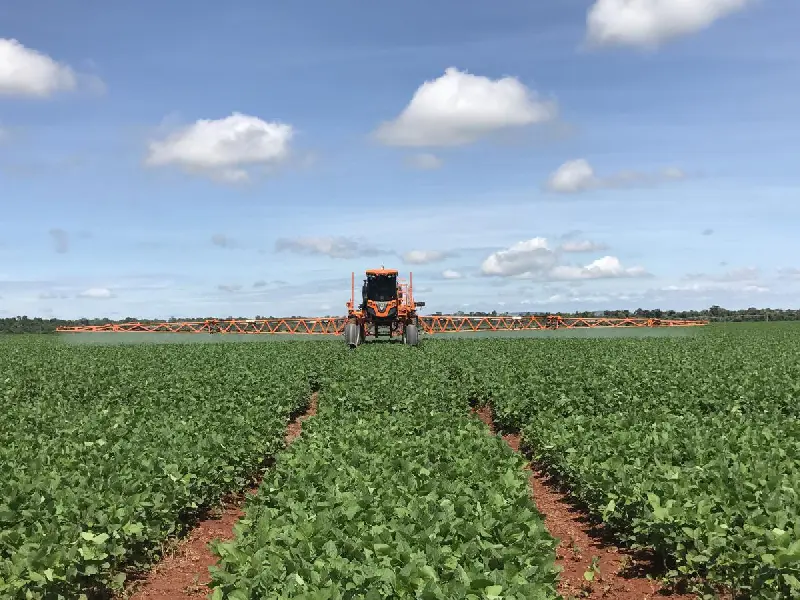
[
  {"x": 352, "y": 334},
  {"x": 411, "y": 335}
]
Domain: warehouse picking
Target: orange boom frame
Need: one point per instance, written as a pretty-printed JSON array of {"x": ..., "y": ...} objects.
[{"x": 387, "y": 307}]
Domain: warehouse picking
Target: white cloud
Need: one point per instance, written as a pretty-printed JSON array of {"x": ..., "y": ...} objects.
[
  {"x": 229, "y": 287},
  {"x": 572, "y": 176},
  {"x": 649, "y": 23},
  {"x": 602, "y": 268},
  {"x": 98, "y": 293},
  {"x": 582, "y": 246},
  {"x": 28, "y": 72},
  {"x": 460, "y": 108},
  {"x": 451, "y": 274},
  {"x": 224, "y": 148},
  {"x": 578, "y": 176},
  {"x": 521, "y": 260},
  {"x": 534, "y": 259},
  {"x": 789, "y": 273},
  {"x": 424, "y": 161},
  {"x": 570, "y": 298},
  {"x": 335, "y": 247},
  {"x": 424, "y": 257}
]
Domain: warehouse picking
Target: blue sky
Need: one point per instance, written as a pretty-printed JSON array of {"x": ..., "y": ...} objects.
[{"x": 188, "y": 159}]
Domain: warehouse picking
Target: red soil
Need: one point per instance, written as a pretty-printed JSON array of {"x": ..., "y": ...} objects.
[
  {"x": 184, "y": 573},
  {"x": 619, "y": 574}
]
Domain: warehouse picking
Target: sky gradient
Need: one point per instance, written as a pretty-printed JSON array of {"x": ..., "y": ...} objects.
[{"x": 187, "y": 159}]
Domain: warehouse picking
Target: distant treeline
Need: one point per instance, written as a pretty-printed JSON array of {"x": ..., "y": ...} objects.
[
  {"x": 714, "y": 313},
  {"x": 26, "y": 324}
]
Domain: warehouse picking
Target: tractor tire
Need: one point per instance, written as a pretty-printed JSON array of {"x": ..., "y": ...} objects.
[
  {"x": 352, "y": 334},
  {"x": 411, "y": 335}
]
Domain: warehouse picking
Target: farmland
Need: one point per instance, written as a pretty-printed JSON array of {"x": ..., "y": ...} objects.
[
  {"x": 688, "y": 446},
  {"x": 105, "y": 450}
]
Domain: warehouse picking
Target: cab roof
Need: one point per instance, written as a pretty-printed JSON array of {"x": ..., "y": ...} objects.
[{"x": 381, "y": 271}]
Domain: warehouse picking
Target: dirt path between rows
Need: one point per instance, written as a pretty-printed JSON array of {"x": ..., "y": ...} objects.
[
  {"x": 618, "y": 574},
  {"x": 184, "y": 573}
]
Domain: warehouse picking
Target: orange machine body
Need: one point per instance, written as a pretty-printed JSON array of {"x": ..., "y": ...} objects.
[{"x": 387, "y": 304}]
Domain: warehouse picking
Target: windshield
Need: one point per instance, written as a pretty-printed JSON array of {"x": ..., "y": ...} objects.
[{"x": 381, "y": 288}]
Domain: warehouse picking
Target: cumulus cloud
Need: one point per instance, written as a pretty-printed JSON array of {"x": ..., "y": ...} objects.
[
  {"x": 650, "y": 23},
  {"x": 60, "y": 239},
  {"x": 96, "y": 293},
  {"x": 582, "y": 246},
  {"x": 423, "y": 161},
  {"x": 534, "y": 259},
  {"x": 460, "y": 108},
  {"x": 334, "y": 247},
  {"x": 229, "y": 287},
  {"x": 570, "y": 297},
  {"x": 451, "y": 274},
  {"x": 602, "y": 268},
  {"x": 28, "y": 72},
  {"x": 789, "y": 273},
  {"x": 224, "y": 149},
  {"x": 578, "y": 175},
  {"x": 572, "y": 176},
  {"x": 424, "y": 257},
  {"x": 522, "y": 259}
]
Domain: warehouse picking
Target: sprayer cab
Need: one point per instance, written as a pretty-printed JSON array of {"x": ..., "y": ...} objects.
[{"x": 380, "y": 296}]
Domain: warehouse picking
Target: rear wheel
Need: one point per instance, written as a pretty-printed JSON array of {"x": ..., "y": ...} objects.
[
  {"x": 352, "y": 334},
  {"x": 411, "y": 335}
]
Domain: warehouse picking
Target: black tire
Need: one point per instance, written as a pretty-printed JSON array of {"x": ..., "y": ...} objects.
[
  {"x": 411, "y": 335},
  {"x": 352, "y": 334}
]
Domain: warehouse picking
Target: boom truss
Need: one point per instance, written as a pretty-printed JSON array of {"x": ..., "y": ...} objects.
[{"x": 432, "y": 324}]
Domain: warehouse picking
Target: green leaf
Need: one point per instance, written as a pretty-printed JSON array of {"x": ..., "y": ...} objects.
[{"x": 493, "y": 592}]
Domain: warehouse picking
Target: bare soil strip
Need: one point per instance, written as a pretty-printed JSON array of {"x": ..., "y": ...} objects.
[
  {"x": 583, "y": 551},
  {"x": 184, "y": 573}
]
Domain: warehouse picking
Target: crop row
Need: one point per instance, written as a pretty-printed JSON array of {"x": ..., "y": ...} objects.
[
  {"x": 393, "y": 490},
  {"x": 107, "y": 450}
]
